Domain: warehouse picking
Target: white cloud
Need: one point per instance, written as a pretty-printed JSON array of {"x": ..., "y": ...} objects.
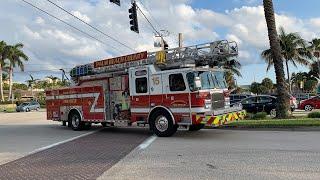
[
  {"x": 29, "y": 33},
  {"x": 235, "y": 38},
  {"x": 40, "y": 20},
  {"x": 81, "y": 16}
]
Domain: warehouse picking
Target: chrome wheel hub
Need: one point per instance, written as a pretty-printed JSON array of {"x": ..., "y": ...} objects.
[
  {"x": 273, "y": 113},
  {"x": 308, "y": 108},
  {"x": 75, "y": 121},
  {"x": 162, "y": 123}
]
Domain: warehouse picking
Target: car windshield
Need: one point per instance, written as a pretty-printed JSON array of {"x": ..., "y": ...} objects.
[
  {"x": 209, "y": 79},
  {"x": 24, "y": 104}
]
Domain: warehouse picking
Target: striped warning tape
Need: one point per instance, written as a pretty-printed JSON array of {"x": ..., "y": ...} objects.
[{"x": 220, "y": 119}]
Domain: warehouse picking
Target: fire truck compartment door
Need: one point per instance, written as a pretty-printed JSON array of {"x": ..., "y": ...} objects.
[{"x": 156, "y": 90}]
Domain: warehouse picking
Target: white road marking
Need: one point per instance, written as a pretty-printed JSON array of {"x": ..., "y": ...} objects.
[
  {"x": 58, "y": 143},
  {"x": 147, "y": 142}
]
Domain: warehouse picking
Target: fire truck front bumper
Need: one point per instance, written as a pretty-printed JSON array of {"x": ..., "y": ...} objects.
[{"x": 221, "y": 119}]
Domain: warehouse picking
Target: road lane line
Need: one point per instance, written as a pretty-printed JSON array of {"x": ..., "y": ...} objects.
[
  {"x": 61, "y": 142},
  {"x": 147, "y": 142}
]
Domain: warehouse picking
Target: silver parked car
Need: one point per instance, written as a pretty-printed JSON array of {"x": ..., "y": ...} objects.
[{"x": 28, "y": 106}]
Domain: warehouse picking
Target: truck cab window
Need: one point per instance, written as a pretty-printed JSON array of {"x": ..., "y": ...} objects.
[
  {"x": 141, "y": 85},
  {"x": 176, "y": 82},
  {"x": 190, "y": 79}
]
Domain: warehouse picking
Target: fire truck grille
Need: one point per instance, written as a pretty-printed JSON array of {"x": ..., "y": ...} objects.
[{"x": 217, "y": 100}]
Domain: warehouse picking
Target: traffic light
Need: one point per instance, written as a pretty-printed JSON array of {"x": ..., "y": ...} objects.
[
  {"x": 133, "y": 18},
  {"x": 117, "y": 2},
  {"x": 165, "y": 45}
]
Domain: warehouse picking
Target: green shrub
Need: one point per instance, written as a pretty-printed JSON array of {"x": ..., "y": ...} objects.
[
  {"x": 6, "y": 102},
  {"x": 259, "y": 115},
  {"x": 314, "y": 115},
  {"x": 42, "y": 102}
]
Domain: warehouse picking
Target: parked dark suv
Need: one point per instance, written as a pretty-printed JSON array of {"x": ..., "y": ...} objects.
[
  {"x": 261, "y": 103},
  {"x": 235, "y": 98}
]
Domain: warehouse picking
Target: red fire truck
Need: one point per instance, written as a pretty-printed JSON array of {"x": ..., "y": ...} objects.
[{"x": 164, "y": 89}]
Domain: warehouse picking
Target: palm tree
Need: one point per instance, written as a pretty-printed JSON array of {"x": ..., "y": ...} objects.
[
  {"x": 31, "y": 82},
  {"x": 275, "y": 48},
  {"x": 233, "y": 68},
  {"x": 2, "y": 63},
  {"x": 293, "y": 49},
  {"x": 16, "y": 57},
  {"x": 315, "y": 48},
  {"x": 53, "y": 79}
]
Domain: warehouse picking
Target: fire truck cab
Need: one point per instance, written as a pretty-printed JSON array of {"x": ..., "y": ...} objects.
[{"x": 161, "y": 95}]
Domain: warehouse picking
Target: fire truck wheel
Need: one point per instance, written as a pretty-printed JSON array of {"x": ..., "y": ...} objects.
[
  {"x": 196, "y": 127},
  {"x": 76, "y": 123},
  {"x": 104, "y": 124},
  {"x": 162, "y": 124}
]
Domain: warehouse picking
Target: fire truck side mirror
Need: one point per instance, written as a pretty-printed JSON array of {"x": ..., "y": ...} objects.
[{"x": 197, "y": 82}]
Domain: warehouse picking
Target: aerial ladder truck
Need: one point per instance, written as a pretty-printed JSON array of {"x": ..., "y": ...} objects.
[{"x": 165, "y": 89}]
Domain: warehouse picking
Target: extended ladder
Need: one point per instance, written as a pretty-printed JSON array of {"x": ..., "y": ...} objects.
[{"x": 202, "y": 54}]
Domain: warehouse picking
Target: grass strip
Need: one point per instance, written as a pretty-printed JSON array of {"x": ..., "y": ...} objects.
[{"x": 275, "y": 123}]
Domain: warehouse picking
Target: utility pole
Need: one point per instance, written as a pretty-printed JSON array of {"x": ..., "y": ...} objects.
[
  {"x": 63, "y": 75},
  {"x": 180, "y": 40}
]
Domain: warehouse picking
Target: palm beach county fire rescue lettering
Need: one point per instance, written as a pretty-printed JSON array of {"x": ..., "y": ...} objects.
[
  {"x": 121, "y": 59},
  {"x": 153, "y": 88}
]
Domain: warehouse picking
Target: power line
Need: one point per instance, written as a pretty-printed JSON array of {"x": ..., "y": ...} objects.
[
  {"x": 70, "y": 25},
  {"x": 91, "y": 26},
  {"x": 155, "y": 20},
  {"x": 149, "y": 21},
  {"x": 149, "y": 12},
  {"x": 43, "y": 70}
]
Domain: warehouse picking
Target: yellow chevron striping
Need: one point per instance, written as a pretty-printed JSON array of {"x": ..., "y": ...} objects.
[{"x": 216, "y": 120}]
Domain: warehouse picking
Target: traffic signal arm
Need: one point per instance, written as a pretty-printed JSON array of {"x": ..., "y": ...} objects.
[{"x": 117, "y": 2}]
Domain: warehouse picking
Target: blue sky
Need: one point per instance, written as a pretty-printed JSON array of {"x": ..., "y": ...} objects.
[
  {"x": 52, "y": 45},
  {"x": 300, "y": 8}
]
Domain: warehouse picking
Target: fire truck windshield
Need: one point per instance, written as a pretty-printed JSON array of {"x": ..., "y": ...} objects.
[{"x": 209, "y": 80}]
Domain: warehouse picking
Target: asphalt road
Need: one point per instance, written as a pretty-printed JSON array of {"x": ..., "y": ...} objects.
[
  {"x": 129, "y": 153},
  {"x": 225, "y": 154},
  {"x": 23, "y": 133}
]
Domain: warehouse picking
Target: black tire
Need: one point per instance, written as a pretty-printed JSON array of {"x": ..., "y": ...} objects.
[
  {"x": 75, "y": 121},
  {"x": 196, "y": 127},
  {"x": 37, "y": 109},
  {"x": 27, "y": 110},
  {"x": 104, "y": 124},
  {"x": 162, "y": 124},
  {"x": 87, "y": 126}
]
